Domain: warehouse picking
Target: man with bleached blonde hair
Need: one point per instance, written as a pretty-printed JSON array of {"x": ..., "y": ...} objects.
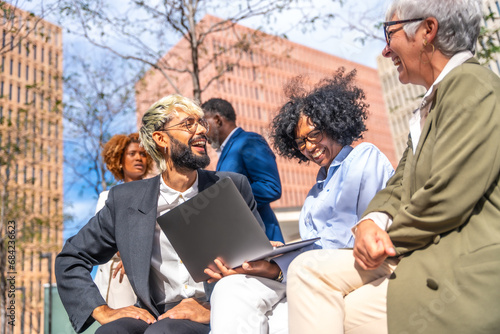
[{"x": 173, "y": 132}]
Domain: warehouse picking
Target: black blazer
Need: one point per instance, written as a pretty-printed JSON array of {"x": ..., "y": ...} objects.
[{"x": 126, "y": 224}]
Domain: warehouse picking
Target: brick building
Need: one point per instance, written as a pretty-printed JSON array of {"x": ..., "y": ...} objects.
[
  {"x": 31, "y": 124},
  {"x": 255, "y": 88}
]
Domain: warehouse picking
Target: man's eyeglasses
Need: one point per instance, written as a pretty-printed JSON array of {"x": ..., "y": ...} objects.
[
  {"x": 191, "y": 124},
  {"x": 315, "y": 136},
  {"x": 388, "y": 34}
]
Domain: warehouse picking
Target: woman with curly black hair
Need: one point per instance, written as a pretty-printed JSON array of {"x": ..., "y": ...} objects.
[{"x": 319, "y": 126}]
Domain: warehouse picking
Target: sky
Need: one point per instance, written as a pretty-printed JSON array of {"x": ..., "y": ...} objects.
[{"x": 336, "y": 39}]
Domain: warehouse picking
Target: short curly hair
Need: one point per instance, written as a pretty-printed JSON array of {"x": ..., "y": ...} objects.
[
  {"x": 220, "y": 106},
  {"x": 335, "y": 106},
  {"x": 113, "y": 153}
]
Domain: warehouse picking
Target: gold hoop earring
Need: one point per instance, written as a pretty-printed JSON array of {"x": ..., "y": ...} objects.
[{"x": 422, "y": 51}]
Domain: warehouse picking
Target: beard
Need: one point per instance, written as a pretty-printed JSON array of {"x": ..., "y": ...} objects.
[
  {"x": 183, "y": 157},
  {"x": 213, "y": 139}
]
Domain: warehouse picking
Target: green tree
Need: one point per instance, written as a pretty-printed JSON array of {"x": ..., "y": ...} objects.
[
  {"x": 489, "y": 40},
  {"x": 16, "y": 30}
]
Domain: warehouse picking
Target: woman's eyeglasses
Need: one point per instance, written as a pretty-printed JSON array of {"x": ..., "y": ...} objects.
[
  {"x": 388, "y": 34},
  {"x": 315, "y": 136}
]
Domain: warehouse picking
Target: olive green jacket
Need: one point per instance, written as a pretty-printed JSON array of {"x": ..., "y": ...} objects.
[{"x": 445, "y": 204}]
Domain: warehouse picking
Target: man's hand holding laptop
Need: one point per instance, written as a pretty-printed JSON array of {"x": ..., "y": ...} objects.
[{"x": 261, "y": 268}]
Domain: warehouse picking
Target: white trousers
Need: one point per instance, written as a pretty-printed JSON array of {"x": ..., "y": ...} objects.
[
  {"x": 328, "y": 293},
  {"x": 242, "y": 304}
]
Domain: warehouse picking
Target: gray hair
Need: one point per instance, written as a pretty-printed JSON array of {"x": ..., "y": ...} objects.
[
  {"x": 459, "y": 21},
  {"x": 159, "y": 114}
]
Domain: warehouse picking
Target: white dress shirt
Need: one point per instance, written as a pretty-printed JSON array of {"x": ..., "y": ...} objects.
[{"x": 169, "y": 279}]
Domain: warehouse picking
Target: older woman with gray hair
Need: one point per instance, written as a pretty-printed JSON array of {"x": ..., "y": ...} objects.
[{"x": 426, "y": 257}]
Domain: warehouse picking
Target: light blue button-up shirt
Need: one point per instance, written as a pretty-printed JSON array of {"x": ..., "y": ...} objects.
[{"x": 339, "y": 198}]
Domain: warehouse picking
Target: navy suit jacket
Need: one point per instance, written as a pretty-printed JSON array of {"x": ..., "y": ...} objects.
[
  {"x": 126, "y": 224},
  {"x": 249, "y": 154}
]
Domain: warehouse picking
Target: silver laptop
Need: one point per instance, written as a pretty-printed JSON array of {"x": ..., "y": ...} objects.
[{"x": 217, "y": 223}]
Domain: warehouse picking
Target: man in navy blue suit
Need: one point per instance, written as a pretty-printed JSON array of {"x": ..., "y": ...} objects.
[{"x": 246, "y": 153}]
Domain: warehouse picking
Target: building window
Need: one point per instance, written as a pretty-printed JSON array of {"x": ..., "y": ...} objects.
[
  {"x": 27, "y": 72},
  {"x": 18, "y": 94},
  {"x": 34, "y": 51},
  {"x": 19, "y": 69},
  {"x": 11, "y": 71},
  {"x": 10, "y": 92},
  {"x": 3, "y": 65},
  {"x": 43, "y": 54}
]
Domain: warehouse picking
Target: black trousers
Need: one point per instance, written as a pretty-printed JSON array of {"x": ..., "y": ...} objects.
[{"x": 165, "y": 326}]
